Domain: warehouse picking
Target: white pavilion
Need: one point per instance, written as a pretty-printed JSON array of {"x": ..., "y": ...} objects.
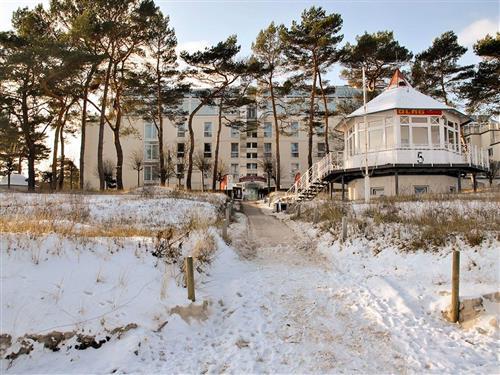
[{"x": 412, "y": 144}]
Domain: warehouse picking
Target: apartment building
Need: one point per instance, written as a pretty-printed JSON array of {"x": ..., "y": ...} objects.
[{"x": 241, "y": 150}]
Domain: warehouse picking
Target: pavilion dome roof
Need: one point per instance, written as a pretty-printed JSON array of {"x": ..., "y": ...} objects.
[{"x": 401, "y": 95}]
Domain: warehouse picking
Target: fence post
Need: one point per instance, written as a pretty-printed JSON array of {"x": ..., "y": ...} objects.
[
  {"x": 224, "y": 229},
  {"x": 298, "y": 210},
  {"x": 190, "y": 278},
  {"x": 228, "y": 212},
  {"x": 455, "y": 281},
  {"x": 344, "y": 229}
]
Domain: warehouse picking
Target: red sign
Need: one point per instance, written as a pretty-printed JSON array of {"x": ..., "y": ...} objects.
[{"x": 420, "y": 112}]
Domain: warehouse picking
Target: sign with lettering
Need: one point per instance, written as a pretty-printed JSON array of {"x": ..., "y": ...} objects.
[
  {"x": 252, "y": 179},
  {"x": 420, "y": 112}
]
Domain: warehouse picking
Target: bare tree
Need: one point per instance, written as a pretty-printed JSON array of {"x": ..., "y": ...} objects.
[
  {"x": 204, "y": 165},
  {"x": 493, "y": 171},
  {"x": 269, "y": 166},
  {"x": 136, "y": 160}
]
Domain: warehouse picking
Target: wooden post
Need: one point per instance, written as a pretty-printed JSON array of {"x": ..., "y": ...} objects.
[
  {"x": 455, "y": 281},
  {"x": 396, "y": 183},
  {"x": 190, "y": 278},
  {"x": 344, "y": 228},
  {"x": 228, "y": 213},
  {"x": 224, "y": 229},
  {"x": 459, "y": 182},
  {"x": 298, "y": 210},
  {"x": 474, "y": 182},
  {"x": 343, "y": 189},
  {"x": 315, "y": 216}
]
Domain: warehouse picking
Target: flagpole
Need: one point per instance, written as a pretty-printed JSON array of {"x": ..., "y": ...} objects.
[{"x": 367, "y": 176}]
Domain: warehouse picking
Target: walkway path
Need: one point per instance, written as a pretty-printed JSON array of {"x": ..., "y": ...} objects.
[{"x": 279, "y": 311}]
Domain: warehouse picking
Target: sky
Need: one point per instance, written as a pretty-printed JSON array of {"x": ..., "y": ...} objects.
[{"x": 201, "y": 23}]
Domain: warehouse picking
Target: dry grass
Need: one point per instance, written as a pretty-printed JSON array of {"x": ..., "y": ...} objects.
[{"x": 411, "y": 223}]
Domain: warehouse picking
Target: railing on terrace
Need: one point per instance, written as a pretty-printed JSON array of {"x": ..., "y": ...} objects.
[
  {"x": 473, "y": 156},
  {"x": 480, "y": 128}
]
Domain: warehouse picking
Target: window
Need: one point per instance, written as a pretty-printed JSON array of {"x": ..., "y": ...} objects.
[
  {"x": 321, "y": 149},
  {"x": 295, "y": 150},
  {"x": 268, "y": 130},
  {"x": 268, "y": 150},
  {"x": 151, "y": 151},
  {"x": 251, "y": 155},
  {"x": 320, "y": 130},
  {"x": 435, "y": 136},
  {"x": 235, "y": 133},
  {"x": 181, "y": 130},
  {"x": 375, "y": 138},
  {"x": 294, "y": 169},
  {"x": 419, "y": 120},
  {"x": 148, "y": 173},
  {"x": 405, "y": 135},
  {"x": 207, "y": 150},
  {"x": 389, "y": 136},
  {"x": 252, "y": 133},
  {"x": 294, "y": 129},
  {"x": 235, "y": 171},
  {"x": 421, "y": 189},
  {"x": 180, "y": 170},
  {"x": 207, "y": 129},
  {"x": 434, "y": 120},
  {"x": 235, "y": 147},
  {"x": 377, "y": 191},
  {"x": 181, "y": 149},
  {"x": 404, "y": 120},
  {"x": 251, "y": 112},
  {"x": 420, "y": 135},
  {"x": 251, "y": 144},
  {"x": 150, "y": 131},
  {"x": 252, "y": 166},
  {"x": 490, "y": 152}
]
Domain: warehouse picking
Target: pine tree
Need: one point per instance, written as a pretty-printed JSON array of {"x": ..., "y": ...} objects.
[
  {"x": 218, "y": 68},
  {"x": 482, "y": 92},
  {"x": 23, "y": 64},
  {"x": 379, "y": 53},
  {"x": 436, "y": 71},
  {"x": 310, "y": 47},
  {"x": 268, "y": 49},
  {"x": 157, "y": 87}
]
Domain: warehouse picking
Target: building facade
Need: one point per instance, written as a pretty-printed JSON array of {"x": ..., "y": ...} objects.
[{"x": 241, "y": 150}]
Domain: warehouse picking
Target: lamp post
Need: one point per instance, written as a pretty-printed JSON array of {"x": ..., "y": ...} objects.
[{"x": 367, "y": 176}]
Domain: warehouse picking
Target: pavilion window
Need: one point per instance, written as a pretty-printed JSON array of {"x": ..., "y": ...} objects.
[
  {"x": 389, "y": 136},
  {"x": 361, "y": 138},
  {"x": 435, "y": 136},
  {"x": 405, "y": 135},
  {"x": 375, "y": 139},
  {"x": 419, "y": 120},
  {"x": 404, "y": 120},
  {"x": 420, "y": 135}
]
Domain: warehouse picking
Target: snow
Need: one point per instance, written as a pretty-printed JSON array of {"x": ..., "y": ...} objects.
[
  {"x": 308, "y": 305},
  {"x": 402, "y": 97}
]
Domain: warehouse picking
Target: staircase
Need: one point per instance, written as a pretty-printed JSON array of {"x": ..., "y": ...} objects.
[{"x": 310, "y": 184}]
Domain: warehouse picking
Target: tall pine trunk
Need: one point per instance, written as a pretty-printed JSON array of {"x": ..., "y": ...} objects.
[
  {"x": 84, "y": 125},
  {"x": 61, "y": 166},
  {"x": 29, "y": 141},
  {"x": 276, "y": 134},
  {"x": 189, "y": 173},
  {"x": 55, "y": 149},
  {"x": 325, "y": 103},
  {"x": 217, "y": 143},
  {"x": 311, "y": 119},
  {"x": 102, "y": 119}
]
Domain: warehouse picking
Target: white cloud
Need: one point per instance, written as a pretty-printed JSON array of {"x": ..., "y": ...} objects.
[
  {"x": 477, "y": 30},
  {"x": 193, "y": 46}
]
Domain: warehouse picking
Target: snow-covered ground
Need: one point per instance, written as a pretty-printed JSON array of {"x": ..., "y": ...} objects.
[{"x": 306, "y": 305}]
